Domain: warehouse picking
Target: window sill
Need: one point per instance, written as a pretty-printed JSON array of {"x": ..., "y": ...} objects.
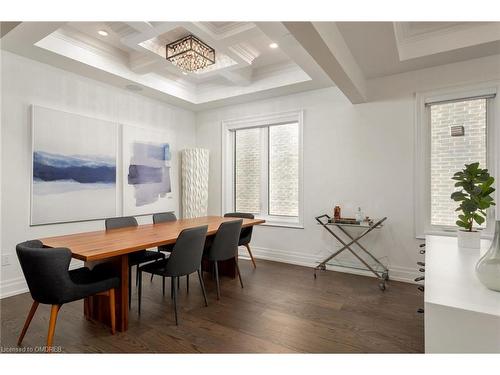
[
  {"x": 451, "y": 233},
  {"x": 280, "y": 224}
]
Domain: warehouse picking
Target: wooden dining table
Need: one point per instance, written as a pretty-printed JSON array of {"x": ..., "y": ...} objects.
[{"x": 113, "y": 247}]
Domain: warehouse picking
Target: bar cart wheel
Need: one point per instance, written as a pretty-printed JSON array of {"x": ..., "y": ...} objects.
[{"x": 382, "y": 285}]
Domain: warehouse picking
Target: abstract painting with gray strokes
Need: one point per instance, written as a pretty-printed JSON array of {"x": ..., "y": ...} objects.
[{"x": 149, "y": 171}]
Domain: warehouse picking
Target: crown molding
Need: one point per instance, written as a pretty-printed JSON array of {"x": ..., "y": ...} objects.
[{"x": 412, "y": 45}]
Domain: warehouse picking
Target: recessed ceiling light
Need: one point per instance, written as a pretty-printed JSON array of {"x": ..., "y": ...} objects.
[
  {"x": 102, "y": 32},
  {"x": 273, "y": 45}
]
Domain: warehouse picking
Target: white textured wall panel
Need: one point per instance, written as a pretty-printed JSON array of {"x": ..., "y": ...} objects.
[{"x": 195, "y": 163}]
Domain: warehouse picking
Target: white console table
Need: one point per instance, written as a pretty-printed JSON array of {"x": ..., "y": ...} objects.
[{"x": 461, "y": 315}]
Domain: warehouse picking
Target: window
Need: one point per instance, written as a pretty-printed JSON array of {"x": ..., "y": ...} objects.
[
  {"x": 451, "y": 151},
  {"x": 263, "y": 167},
  {"x": 284, "y": 170},
  {"x": 248, "y": 170},
  {"x": 453, "y": 129}
]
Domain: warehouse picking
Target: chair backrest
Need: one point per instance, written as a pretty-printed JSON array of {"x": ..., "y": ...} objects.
[
  {"x": 246, "y": 233},
  {"x": 45, "y": 270},
  {"x": 225, "y": 243},
  {"x": 188, "y": 251},
  {"x": 120, "y": 222},
  {"x": 163, "y": 217}
]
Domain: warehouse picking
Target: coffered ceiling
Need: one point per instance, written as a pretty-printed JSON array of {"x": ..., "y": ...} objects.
[
  {"x": 385, "y": 48},
  {"x": 306, "y": 55}
]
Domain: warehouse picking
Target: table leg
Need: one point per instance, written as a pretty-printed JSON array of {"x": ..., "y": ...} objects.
[
  {"x": 97, "y": 307},
  {"x": 226, "y": 267}
]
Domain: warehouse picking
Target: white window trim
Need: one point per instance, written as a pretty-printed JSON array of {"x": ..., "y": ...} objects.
[
  {"x": 227, "y": 177},
  {"x": 422, "y": 153}
]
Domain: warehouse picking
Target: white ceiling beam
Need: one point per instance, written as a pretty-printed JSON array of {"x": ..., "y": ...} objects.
[
  {"x": 145, "y": 31},
  {"x": 6, "y": 27},
  {"x": 239, "y": 77},
  {"x": 22, "y": 37},
  {"x": 325, "y": 44},
  {"x": 278, "y": 33},
  {"x": 142, "y": 63}
]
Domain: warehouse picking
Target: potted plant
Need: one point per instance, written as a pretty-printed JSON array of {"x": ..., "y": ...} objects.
[{"x": 475, "y": 198}]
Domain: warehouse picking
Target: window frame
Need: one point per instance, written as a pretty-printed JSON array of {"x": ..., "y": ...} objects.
[
  {"x": 228, "y": 164},
  {"x": 422, "y": 153}
]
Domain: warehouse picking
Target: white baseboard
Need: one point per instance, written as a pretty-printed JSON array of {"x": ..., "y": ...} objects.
[
  {"x": 396, "y": 273},
  {"x": 13, "y": 287}
]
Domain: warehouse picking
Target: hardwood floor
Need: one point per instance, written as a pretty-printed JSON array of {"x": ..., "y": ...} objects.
[{"x": 282, "y": 309}]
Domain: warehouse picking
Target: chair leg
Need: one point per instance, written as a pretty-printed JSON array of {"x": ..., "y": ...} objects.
[
  {"x": 153, "y": 273},
  {"x": 86, "y": 310},
  {"x": 187, "y": 283},
  {"x": 172, "y": 281},
  {"x": 112, "y": 317},
  {"x": 34, "y": 306},
  {"x": 129, "y": 286},
  {"x": 52, "y": 326},
  {"x": 217, "y": 279},
  {"x": 251, "y": 255},
  {"x": 200, "y": 277},
  {"x": 139, "y": 293},
  {"x": 175, "y": 302},
  {"x": 163, "y": 285},
  {"x": 239, "y": 273},
  {"x": 137, "y": 275},
  {"x": 178, "y": 282}
]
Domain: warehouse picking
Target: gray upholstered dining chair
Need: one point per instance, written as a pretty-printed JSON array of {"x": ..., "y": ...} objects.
[
  {"x": 164, "y": 217},
  {"x": 50, "y": 282},
  {"x": 225, "y": 246},
  {"x": 246, "y": 233},
  {"x": 135, "y": 258},
  {"x": 184, "y": 259}
]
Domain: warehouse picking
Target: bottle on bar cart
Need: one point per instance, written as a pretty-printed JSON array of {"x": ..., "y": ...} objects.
[{"x": 336, "y": 213}]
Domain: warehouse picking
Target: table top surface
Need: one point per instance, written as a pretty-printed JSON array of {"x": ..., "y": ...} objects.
[
  {"x": 450, "y": 277},
  {"x": 103, "y": 244}
]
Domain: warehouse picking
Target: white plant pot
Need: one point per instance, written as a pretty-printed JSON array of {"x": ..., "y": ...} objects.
[{"x": 469, "y": 240}]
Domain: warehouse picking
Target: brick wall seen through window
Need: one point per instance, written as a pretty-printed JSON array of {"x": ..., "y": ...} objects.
[
  {"x": 449, "y": 154},
  {"x": 267, "y": 170}
]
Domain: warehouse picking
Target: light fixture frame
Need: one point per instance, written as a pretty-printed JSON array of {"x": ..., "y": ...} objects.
[{"x": 191, "y": 38}]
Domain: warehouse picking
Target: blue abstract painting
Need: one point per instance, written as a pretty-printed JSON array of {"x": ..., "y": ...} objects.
[
  {"x": 149, "y": 171},
  {"x": 74, "y": 167}
]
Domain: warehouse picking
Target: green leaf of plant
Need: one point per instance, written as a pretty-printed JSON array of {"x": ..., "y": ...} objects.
[
  {"x": 469, "y": 206},
  {"x": 458, "y": 196},
  {"x": 478, "y": 219},
  {"x": 475, "y": 195}
]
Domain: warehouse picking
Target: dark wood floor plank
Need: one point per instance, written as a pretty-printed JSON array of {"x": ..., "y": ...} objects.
[{"x": 281, "y": 309}]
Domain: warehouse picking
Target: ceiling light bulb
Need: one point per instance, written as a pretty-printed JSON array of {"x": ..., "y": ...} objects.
[
  {"x": 102, "y": 32},
  {"x": 273, "y": 45}
]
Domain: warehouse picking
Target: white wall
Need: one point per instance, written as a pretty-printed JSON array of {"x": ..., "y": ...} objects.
[
  {"x": 354, "y": 155},
  {"x": 26, "y": 82}
]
